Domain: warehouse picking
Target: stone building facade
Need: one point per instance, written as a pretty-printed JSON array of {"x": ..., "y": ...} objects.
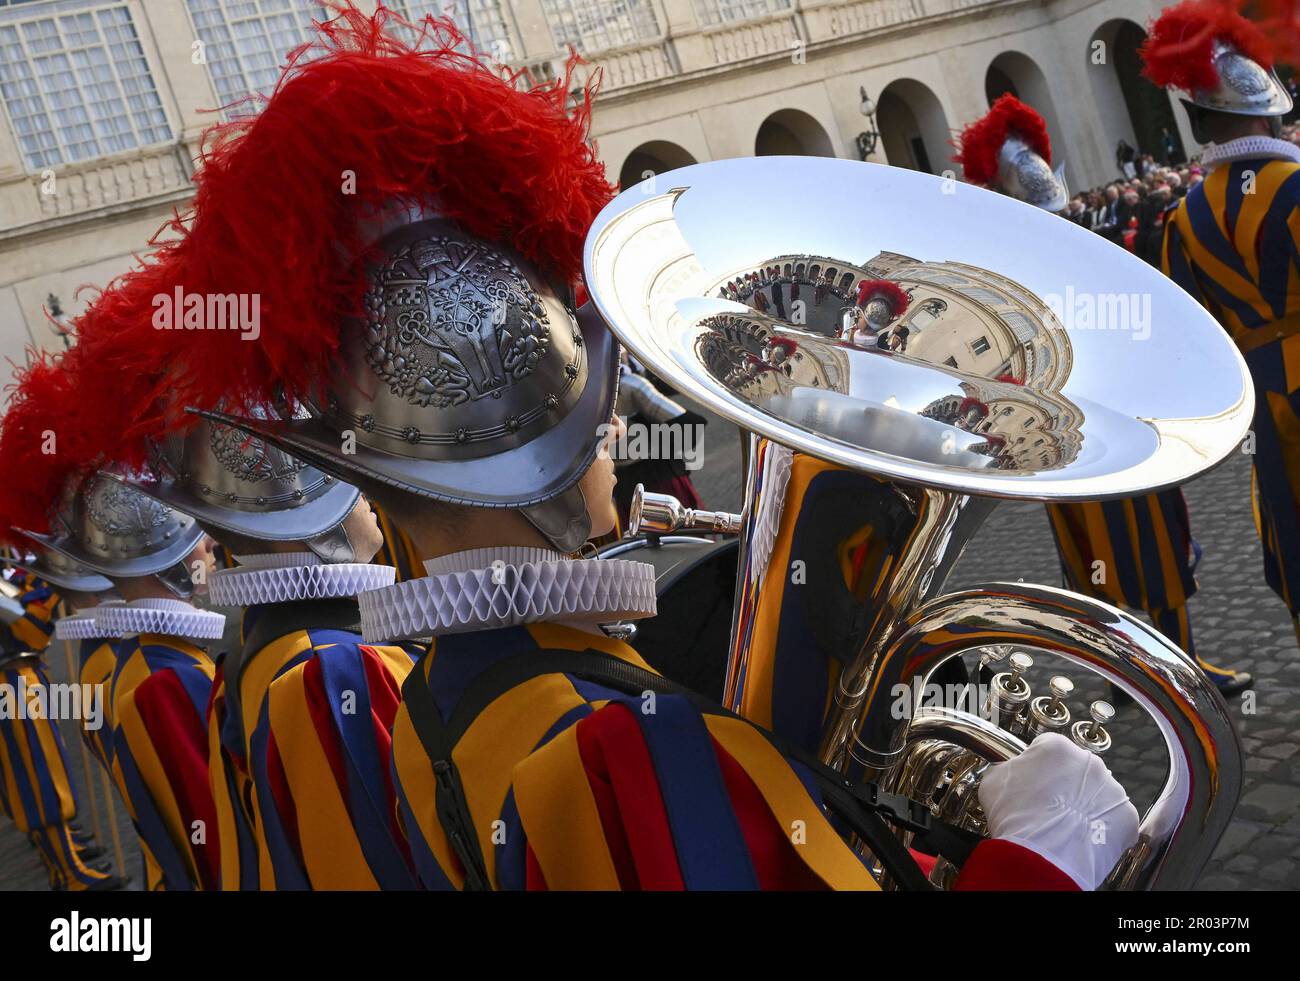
[{"x": 102, "y": 102}]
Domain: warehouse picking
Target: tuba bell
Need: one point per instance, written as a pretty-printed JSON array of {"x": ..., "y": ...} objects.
[{"x": 869, "y": 467}]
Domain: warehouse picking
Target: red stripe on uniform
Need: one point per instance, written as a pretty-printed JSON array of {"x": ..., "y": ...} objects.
[
  {"x": 632, "y": 811},
  {"x": 771, "y": 847},
  {"x": 385, "y": 697},
  {"x": 179, "y": 738},
  {"x": 322, "y": 718}
]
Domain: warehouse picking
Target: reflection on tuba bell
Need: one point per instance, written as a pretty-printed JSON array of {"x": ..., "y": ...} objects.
[{"x": 869, "y": 470}]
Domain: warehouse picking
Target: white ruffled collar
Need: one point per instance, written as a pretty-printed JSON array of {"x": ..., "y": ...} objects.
[
  {"x": 170, "y": 617},
  {"x": 1249, "y": 148},
  {"x": 82, "y": 625},
  {"x": 488, "y": 588},
  {"x": 286, "y": 577}
]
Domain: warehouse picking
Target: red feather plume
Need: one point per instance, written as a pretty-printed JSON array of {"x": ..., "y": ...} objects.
[
  {"x": 70, "y": 413},
  {"x": 980, "y": 143},
  {"x": 415, "y": 120},
  {"x": 373, "y": 112},
  {"x": 891, "y": 292},
  {"x": 1179, "y": 47},
  {"x": 1280, "y": 22}
]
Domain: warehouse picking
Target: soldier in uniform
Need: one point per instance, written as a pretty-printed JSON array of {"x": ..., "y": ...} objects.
[
  {"x": 36, "y": 790},
  {"x": 161, "y": 679},
  {"x": 510, "y": 769},
  {"x": 299, "y": 795},
  {"x": 1231, "y": 242},
  {"x": 1135, "y": 552}
]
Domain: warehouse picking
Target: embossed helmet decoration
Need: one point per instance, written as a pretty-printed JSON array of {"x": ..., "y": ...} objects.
[
  {"x": 1217, "y": 58},
  {"x": 1009, "y": 150},
  {"x": 111, "y": 528},
  {"x": 427, "y": 318},
  {"x": 226, "y": 478}
]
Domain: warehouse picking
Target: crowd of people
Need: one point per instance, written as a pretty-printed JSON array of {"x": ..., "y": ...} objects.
[{"x": 1131, "y": 210}]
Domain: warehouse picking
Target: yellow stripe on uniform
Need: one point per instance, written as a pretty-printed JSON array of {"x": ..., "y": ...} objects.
[
  {"x": 333, "y": 861},
  {"x": 560, "y": 817},
  {"x": 822, "y": 850}
]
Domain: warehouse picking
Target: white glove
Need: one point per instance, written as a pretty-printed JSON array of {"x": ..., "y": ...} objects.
[{"x": 1061, "y": 802}]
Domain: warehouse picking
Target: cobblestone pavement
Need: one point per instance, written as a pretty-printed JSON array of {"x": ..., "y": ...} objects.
[{"x": 1238, "y": 623}]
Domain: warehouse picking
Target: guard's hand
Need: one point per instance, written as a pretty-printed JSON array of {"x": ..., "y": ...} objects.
[{"x": 1061, "y": 802}]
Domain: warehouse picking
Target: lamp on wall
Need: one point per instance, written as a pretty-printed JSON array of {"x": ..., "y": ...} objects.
[
  {"x": 868, "y": 138},
  {"x": 55, "y": 319}
]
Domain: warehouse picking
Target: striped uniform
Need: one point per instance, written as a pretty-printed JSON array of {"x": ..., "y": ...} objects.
[
  {"x": 1232, "y": 244},
  {"x": 34, "y": 629},
  {"x": 96, "y": 662},
  {"x": 38, "y": 794},
  {"x": 159, "y": 695},
  {"x": 36, "y": 790},
  {"x": 1136, "y": 552},
  {"x": 301, "y": 780},
  {"x": 571, "y": 785}
]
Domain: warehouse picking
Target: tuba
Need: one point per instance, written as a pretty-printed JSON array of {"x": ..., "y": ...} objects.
[{"x": 1042, "y": 364}]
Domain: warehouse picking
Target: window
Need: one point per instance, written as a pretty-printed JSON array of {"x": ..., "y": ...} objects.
[
  {"x": 481, "y": 20},
  {"x": 981, "y": 345},
  {"x": 712, "y": 12},
  {"x": 245, "y": 43},
  {"x": 595, "y": 25},
  {"x": 77, "y": 85}
]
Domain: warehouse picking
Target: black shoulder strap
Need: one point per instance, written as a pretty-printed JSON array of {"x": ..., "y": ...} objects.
[
  {"x": 859, "y": 805},
  {"x": 278, "y": 620}
]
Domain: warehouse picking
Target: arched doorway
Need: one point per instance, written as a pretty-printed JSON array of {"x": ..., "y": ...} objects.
[
  {"x": 913, "y": 128},
  {"x": 1122, "y": 94},
  {"x": 651, "y": 159},
  {"x": 792, "y": 132},
  {"x": 1018, "y": 74}
]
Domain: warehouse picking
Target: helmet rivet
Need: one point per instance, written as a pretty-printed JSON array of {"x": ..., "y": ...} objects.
[
  {"x": 462, "y": 434},
  {"x": 412, "y": 434},
  {"x": 571, "y": 370},
  {"x": 261, "y": 502},
  {"x": 512, "y": 423},
  {"x": 368, "y": 422},
  {"x": 577, "y": 339},
  {"x": 298, "y": 495},
  {"x": 552, "y": 402}
]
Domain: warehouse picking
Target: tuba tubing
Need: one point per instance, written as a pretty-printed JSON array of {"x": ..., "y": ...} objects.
[{"x": 1181, "y": 829}]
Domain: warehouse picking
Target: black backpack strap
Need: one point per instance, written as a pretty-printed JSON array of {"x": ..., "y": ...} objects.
[
  {"x": 859, "y": 805},
  {"x": 273, "y": 622},
  {"x": 439, "y": 738}
]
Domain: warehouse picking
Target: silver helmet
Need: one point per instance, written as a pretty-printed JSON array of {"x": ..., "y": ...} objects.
[
  {"x": 1245, "y": 87},
  {"x": 226, "y": 478},
  {"x": 1025, "y": 175},
  {"x": 56, "y": 568},
  {"x": 879, "y": 312},
  {"x": 110, "y": 527},
  {"x": 469, "y": 381}
]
